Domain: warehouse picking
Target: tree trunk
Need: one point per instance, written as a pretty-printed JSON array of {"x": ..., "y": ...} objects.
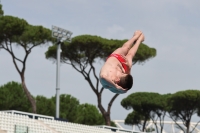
[
  {"x": 188, "y": 127},
  {"x": 106, "y": 115},
  {"x": 107, "y": 119},
  {"x": 144, "y": 125},
  {"x": 29, "y": 96}
]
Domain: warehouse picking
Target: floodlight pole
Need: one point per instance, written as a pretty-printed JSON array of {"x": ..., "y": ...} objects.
[
  {"x": 61, "y": 35},
  {"x": 58, "y": 79}
]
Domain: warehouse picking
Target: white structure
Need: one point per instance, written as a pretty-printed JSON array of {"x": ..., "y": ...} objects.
[
  {"x": 169, "y": 126},
  {"x": 22, "y": 122}
]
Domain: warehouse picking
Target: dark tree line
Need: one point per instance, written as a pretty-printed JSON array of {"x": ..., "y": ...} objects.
[
  {"x": 12, "y": 97},
  {"x": 146, "y": 106}
]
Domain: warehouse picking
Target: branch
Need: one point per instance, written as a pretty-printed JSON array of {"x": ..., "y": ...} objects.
[
  {"x": 83, "y": 70},
  {"x": 139, "y": 127},
  {"x": 89, "y": 71},
  {"x": 80, "y": 71},
  {"x": 21, "y": 43},
  {"x": 10, "y": 47},
  {"x": 17, "y": 58},
  {"x": 25, "y": 58},
  {"x": 67, "y": 63},
  {"x": 195, "y": 126},
  {"x": 16, "y": 66},
  {"x": 77, "y": 69},
  {"x": 6, "y": 45},
  {"x": 11, "y": 52},
  {"x": 93, "y": 88},
  {"x": 85, "y": 64},
  {"x": 111, "y": 102},
  {"x": 13, "y": 57},
  {"x": 134, "y": 63},
  {"x": 97, "y": 79},
  {"x": 162, "y": 120},
  {"x": 101, "y": 90},
  {"x": 184, "y": 118},
  {"x": 82, "y": 67},
  {"x": 94, "y": 73},
  {"x": 89, "y": 80},
  {"x": 155, "y": 123},
  {"x": 177, "y": 123},
  {"x": 86, "y": 76},
  {"x": 29, "y": 50}
]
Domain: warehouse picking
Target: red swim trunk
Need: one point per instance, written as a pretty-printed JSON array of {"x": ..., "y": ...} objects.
[{"x": 121, "y": 60}]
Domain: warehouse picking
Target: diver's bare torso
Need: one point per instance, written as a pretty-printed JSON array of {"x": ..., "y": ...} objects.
[{"x": 111, "y": 69}]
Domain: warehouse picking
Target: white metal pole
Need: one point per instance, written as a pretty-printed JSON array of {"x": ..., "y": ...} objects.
[{"x": 58, "y": 81}]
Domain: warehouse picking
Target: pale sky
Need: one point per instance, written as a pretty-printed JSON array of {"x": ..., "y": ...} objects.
[{"x": 170, "y": 26}]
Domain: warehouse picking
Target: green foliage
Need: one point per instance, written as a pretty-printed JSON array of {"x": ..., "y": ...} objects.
[
  {"x": 33, "y": 36},
  {"x": 89, "y": 114},
  {"x": 112, "y": 124},
  {"x": 86, "y": 48},
  {"x": 189, "y": 99},
  {"x": 180, "y": 106},
  {"x": 45, "y": 106},
  {"x": 12, "y": 97},
  {"x": 82, "y": 49},
  {"x": 68, "y": 107},
  {"x": 184, "y": 104},
  {"x": 20, "y": 32},
  {"x": 134, "y": 118},
  {"x": 11, "y": 27},
  {"x": 141, "y": 101},
  {"x": 151, "y": 129},
  {"x": 144, "y": 53},
  {"x": 1, "y": 11},
  {"x": 146, "y": 106}
]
